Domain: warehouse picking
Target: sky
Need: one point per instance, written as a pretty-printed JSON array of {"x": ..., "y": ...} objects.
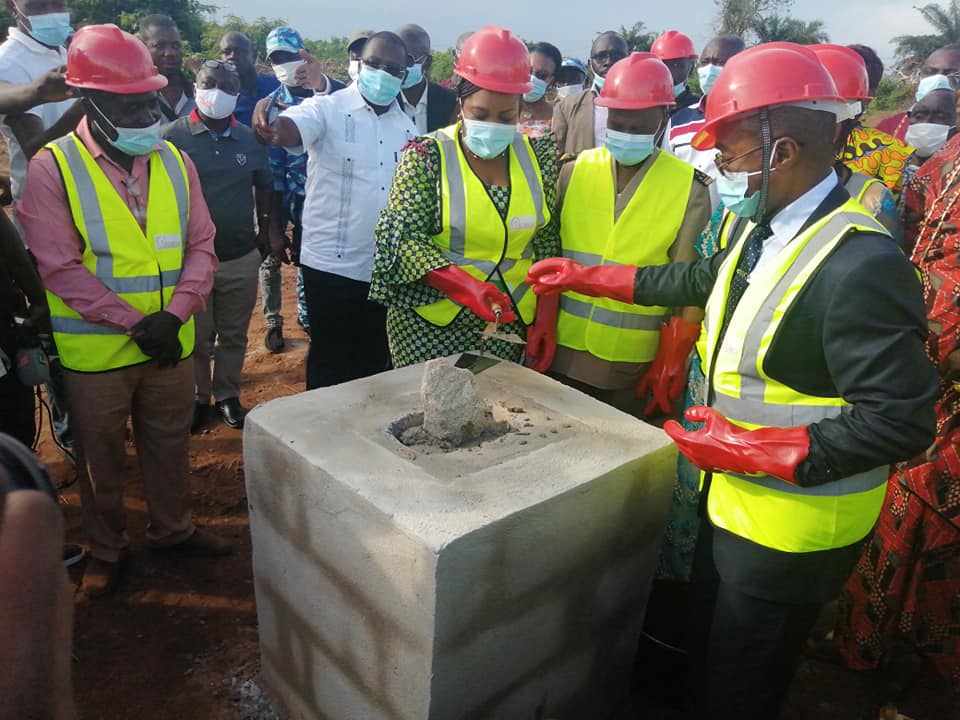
[{"x": 872, "y": 22}]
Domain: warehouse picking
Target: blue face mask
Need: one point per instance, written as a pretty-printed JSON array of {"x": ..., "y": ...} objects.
[
  {"x": 629, "y": 149},
  {"x": 732, "y": 188},
  {"x": 378, "y": 87},
  {"x": 537, "y": 92},
  {"x": 487, "y": 139},
  {"x": 414, "y": 76},
  {"x": 931, "y": 83},
  {"x": 51, "y": 29},
  {"x": 708, "y": 75},
  {"x": 598, "y": 82},
  {"x": 678, "y": 89},
  {"x": 130, "y": 141}
]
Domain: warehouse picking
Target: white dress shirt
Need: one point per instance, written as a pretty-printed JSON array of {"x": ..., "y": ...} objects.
[
  {"x": 417, "y": 113},
  {"x": 351, "y": 155},
  {"x": 787, "y": 223},
  {"x": 23, "y": 60}
]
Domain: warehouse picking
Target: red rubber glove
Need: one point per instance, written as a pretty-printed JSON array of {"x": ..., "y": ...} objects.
[
  {"x": 722, "y": 446},
  {"x": 668, "y": 373},
  {"x": 559, "y": 275},
  {"x": 481, "y": 298},
  {"x": 542, "y": 335}
]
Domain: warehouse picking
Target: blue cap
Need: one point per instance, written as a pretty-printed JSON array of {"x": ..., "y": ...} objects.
[
  {"x": 572, "y": 62},
  {"x": 284, "y": 38}
]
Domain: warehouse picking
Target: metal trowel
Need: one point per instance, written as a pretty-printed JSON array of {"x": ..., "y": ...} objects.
[{"x": 477, "y": 363}]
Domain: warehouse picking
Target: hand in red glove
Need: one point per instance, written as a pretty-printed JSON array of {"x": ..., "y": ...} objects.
[
  {"x": 481, "y": 298},
  {"x": 542, "y": 335},
  {"x": 722, "y": 446},
  {"x": 668, "y": 373},
  {"x": 559, "y": 275}
]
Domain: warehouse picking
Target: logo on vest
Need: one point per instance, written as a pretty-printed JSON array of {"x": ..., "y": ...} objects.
[
  {"x": 167, "y": 242},
  {"x": 241, "y": 159},
  {"x": 523, "y": 222}
]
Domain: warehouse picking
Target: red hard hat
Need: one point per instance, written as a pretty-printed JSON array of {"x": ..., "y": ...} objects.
[
  {"x": 104, "y": 57},
  {"x": 638, "y": 81},
  {"x": 774, "y": 73},
  {"x": 848, "y": 70},
  {"x": 673, "y": 45},
  {"x": 495, "y": 59}
]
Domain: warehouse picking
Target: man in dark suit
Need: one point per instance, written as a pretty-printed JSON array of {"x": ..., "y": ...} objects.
[
  {"x": 430, "y": 106},
  {"x": 577, "y": 122},
  {"x": 817, "y": 380}
]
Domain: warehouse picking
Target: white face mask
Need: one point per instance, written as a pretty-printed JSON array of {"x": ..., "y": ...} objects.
[
  {"x": 927, "y": 138},
  {"x": 215, "y": 103},
  {"x": 566, "y": 90},
  {"x": 286, "y": 72},
  {"x": 353, "y": 69}
]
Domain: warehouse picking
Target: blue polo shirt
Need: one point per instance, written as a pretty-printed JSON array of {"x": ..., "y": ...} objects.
[{"x": 266, "y": 84}]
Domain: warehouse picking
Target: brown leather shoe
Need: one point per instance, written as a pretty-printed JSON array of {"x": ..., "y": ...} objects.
[
  {"x": 201, "y": 544},
  {"x": 99, "y": 577}
]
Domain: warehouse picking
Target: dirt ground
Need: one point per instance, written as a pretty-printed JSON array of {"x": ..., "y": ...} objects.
[{"x": 179, "y": 638}]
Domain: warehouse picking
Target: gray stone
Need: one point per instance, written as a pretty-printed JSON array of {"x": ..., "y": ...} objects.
[
  {"x": 453, "y": 411},
  {"x": 501, "y": 581}
]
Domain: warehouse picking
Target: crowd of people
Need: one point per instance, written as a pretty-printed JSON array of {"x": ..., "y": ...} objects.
[{"x": 741, "y": 253}]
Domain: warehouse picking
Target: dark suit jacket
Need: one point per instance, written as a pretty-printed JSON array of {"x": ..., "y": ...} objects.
[
  {"x": 856, "y": 331},
  {"x": 335, "y": 84},
  {"x": 441, "y": 107},
  {"x": 573, "y": 123}
]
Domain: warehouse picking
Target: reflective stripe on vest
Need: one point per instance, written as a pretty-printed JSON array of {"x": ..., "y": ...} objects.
[
  {"x": 493, "y": 249},
  {"x": 767, "y": 510},
  {"x": 141, "y": 268},
  {"x": 858, "y": 184},
  {"x": 642, "y": 235}
]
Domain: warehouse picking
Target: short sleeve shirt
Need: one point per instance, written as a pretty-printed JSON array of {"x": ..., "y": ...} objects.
[{"x": 351, "y": 155}]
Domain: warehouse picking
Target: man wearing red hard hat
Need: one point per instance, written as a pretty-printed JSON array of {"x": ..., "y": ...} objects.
[
  {"x": 677, "y": 52},
  {"x": 816, "y": 376},
  {"x": 124, "y": 244},
  {"x": 609, "y": 198}
]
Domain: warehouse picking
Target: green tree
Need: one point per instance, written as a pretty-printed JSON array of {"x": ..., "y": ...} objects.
[
  {"x": 442, "y": 67},
  {"x": 777, "y": 27},
  {"x": 257, "y": 30},
  {"x": 738, "y": 17},
  {"x": 912, "y": 50},
  {"x": 638, "y": 38},
  {"x": 893, "y": 95}
]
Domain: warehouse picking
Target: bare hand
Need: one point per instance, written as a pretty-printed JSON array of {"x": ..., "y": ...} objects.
[
  {"x": 310, "y": 74},
  {"x": 279, "y": 244},
  {"x": 261, "y": 113},
  {"x": 52, "y": 87}
]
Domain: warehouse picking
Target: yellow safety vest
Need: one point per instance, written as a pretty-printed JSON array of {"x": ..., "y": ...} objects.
[
  {"x": 140, "y": 268},
  {"x": 642, "y": 235},
  {"x": 764, "y": 509},
  {"x": 475, "y": 238}
]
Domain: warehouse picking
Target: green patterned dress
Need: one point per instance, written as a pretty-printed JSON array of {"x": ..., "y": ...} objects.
[{"x": 406, "y": 252}]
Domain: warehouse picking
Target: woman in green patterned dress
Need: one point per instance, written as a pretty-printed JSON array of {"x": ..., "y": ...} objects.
[{"x": 469, "y": 211}]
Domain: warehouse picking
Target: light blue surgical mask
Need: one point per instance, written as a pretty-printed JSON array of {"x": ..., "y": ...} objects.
[
  {"x": 931, "y": 83},
  {"x": 414, "y": 76},
  {"x": 537, "y": 92},
  {"x": 678, "y": 89},
  {"x": 51, "y": 29},
  {"x": 628, "y": 148},
  {"x": 708, "y": 75},
  {"x": 598, "y": 82},
  {"x": 378, "y": 87},
  {"x": 130, "y": 141},
  {"x": 732, "y": 188},
  {"x": 487, "y": 139}
]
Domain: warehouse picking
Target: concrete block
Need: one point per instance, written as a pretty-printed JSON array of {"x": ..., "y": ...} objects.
[{"x": 504, "y": 581}]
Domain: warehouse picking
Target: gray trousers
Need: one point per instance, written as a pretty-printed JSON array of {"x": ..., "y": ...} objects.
[{"x": 223, "y": 326}]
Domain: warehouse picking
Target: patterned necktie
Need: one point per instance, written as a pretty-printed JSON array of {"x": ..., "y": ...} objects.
[{"x": 753, "y": 247}]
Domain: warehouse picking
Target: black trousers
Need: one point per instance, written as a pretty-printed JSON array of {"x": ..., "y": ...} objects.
[
  {"x": 743, "y": 650},
  {"x": 18, "y": 408},
  {"x": 348, "y": 332}
]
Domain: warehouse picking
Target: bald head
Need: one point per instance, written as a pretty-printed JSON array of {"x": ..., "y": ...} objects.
[
  {"x": 416, "y": 39},
  {"x": 721, "y": 49},
  {"x": 944, "y": 61},
  {"x": 937, "y": 106},
  {"x": 237, "y": 48},
  {"x": 608, "y": 48}
]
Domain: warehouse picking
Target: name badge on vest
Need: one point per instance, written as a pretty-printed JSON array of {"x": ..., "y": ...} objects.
[
  {"x": 167, "y": 242},
  {"x": 523, "y": 222}
]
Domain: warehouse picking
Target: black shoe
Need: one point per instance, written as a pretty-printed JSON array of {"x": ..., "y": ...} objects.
[
  {"x": 232, "y": 412},
  {"x": 201, "y": 411},
  {"x": 274, "y": 339}
]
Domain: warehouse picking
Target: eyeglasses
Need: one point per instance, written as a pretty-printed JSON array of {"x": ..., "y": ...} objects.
[
  {"x": 398, "y": 72},
  {"x": 722, "y": 164},
  {"x": 217, "y": 64},
  {"x": 608, "y": 56}
]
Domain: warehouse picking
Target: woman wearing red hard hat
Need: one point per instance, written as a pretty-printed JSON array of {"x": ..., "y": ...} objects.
[
  {"x": 470, "y": 209},
  {"x": 817, "y": 379}
]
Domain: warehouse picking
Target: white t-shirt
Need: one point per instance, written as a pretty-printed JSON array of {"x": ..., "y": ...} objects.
[
  {"x": 23, "y": 60},
  {"x": 351, "y": 155}
]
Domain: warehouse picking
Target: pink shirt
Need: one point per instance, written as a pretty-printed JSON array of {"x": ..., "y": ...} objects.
[{"x": 44, "y": 214}]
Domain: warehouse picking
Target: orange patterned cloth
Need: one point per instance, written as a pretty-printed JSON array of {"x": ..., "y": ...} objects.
[{"x": 878, "y": 155}]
